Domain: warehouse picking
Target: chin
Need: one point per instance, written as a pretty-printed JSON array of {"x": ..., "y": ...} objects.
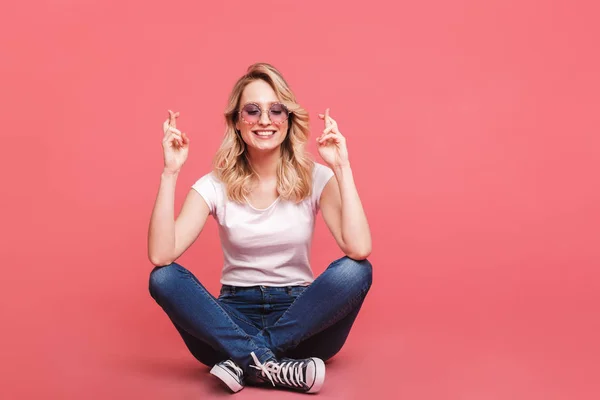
[{"x": 267, "y": 145}]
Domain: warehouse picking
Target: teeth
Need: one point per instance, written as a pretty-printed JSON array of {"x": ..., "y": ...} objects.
[{"x": 264, "y": 133}]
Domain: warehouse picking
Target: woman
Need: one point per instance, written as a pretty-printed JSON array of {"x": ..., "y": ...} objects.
[{"x": 272, "y": 321}]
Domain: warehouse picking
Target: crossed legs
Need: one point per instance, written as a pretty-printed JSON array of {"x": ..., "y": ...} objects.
[{"x": 315, "y": 325}]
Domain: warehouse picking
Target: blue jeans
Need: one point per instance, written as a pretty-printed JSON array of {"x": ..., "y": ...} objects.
[{"x": 272, "y": 322}]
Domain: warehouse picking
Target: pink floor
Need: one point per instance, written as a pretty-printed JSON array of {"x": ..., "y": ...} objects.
[{"x": 443, "y": 349}]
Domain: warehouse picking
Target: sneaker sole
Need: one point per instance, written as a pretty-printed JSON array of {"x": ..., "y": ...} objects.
[
  {"x": 320, "y": 375},
  {"x": 226, "y": 378}
]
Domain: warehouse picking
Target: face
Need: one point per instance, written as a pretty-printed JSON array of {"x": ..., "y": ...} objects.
[{"x": 264, "y": 135}]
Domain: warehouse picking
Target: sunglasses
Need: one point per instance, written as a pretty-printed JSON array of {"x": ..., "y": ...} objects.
[{"x": 251, "y": 113}]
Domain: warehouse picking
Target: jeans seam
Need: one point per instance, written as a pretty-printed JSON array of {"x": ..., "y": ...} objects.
[
  {"x": 236, "y": 326},
  {"x": 304, "y": 291},
  {"x": 291, "y": 305},
  {"x": 343, "y": 311},
  {"x": 244, "y": 321}
]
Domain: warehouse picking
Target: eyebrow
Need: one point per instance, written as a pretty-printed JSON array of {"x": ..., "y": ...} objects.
[{"x": 262, "y": 104}]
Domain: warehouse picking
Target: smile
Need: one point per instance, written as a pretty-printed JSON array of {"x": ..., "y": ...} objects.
[{"x": 267, "y": 133}]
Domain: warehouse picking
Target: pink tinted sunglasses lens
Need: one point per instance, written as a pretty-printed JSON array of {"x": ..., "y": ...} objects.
[
  {"x": 251, "y": 113},
  {"x": 278, "y": 113}
]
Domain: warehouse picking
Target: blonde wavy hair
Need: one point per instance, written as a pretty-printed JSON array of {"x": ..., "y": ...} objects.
[{"x": 294, "y": 170}]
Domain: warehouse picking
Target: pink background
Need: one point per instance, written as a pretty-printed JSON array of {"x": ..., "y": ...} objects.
[{"x": 472, "y": 128}]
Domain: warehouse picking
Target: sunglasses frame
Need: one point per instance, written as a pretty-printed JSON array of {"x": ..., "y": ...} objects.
[{"x": 268, "y": 114}]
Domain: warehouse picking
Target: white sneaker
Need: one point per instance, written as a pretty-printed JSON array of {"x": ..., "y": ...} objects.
[
  {"x": 230, "y": 373},
  {"x": 305, "y": 375}
]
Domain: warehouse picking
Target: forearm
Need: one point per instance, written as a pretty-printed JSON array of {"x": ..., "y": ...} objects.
[
  {"x": 355, "y": 228},
  {"x": 161, "y": 232}
]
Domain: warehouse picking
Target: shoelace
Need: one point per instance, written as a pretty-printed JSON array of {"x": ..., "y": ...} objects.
[
  {"x": 287, "y": 372},
  {"x": 234, "y": 367}
]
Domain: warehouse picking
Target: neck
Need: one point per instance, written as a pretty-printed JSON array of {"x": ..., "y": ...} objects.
[{"x": 265, "y": 163}]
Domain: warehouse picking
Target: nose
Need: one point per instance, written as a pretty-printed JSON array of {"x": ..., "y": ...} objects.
[{"x": 264, "y": 118}]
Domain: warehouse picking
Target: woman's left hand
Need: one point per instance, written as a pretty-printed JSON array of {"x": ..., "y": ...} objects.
[{"x": 331, "y": 144}]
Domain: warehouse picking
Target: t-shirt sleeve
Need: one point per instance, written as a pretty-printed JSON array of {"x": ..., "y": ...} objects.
[
  {"x": 206, "y": 187},
  {"x": 321, "y": 176}
]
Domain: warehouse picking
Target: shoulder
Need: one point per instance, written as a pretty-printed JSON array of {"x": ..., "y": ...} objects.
[
  {"x": 208, "y": 183},
  {"x": 321, "y": 175},
  {"x": 322, "y": 171},
  {"x": 209, "y": 178},
  {"x": 210, "y": 188}
]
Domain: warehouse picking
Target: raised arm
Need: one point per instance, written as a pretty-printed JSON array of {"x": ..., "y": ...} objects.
[
  {"x": 169, "y": 238},
  {"x": 340, "y": 204}
]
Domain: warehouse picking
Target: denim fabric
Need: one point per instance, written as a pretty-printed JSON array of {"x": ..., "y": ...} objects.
[{"x": 272, "y": 322}]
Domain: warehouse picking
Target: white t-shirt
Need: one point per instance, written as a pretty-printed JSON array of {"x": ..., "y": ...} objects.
[{"x": 271, "y": 246}]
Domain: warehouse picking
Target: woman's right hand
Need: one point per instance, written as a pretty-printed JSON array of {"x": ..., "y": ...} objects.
[{"x": 175, "y": 144}]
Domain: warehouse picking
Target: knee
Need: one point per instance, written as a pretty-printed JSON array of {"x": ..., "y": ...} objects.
[
  {"x": 163, "y": 278},
  {"x": 351, "y": 271}
]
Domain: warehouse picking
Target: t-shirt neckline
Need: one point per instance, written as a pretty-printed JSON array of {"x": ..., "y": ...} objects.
[{"x": 262, "y": 209}]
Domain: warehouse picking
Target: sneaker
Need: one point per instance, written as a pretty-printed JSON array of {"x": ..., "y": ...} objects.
[
  {"x": 305, "y": 375},
  {"x": 230, "y": 373}
]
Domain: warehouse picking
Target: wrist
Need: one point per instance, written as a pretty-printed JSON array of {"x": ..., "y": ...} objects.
[
  {"x": 166, "y": 173},
  {"x": 342, "y": 169}
]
